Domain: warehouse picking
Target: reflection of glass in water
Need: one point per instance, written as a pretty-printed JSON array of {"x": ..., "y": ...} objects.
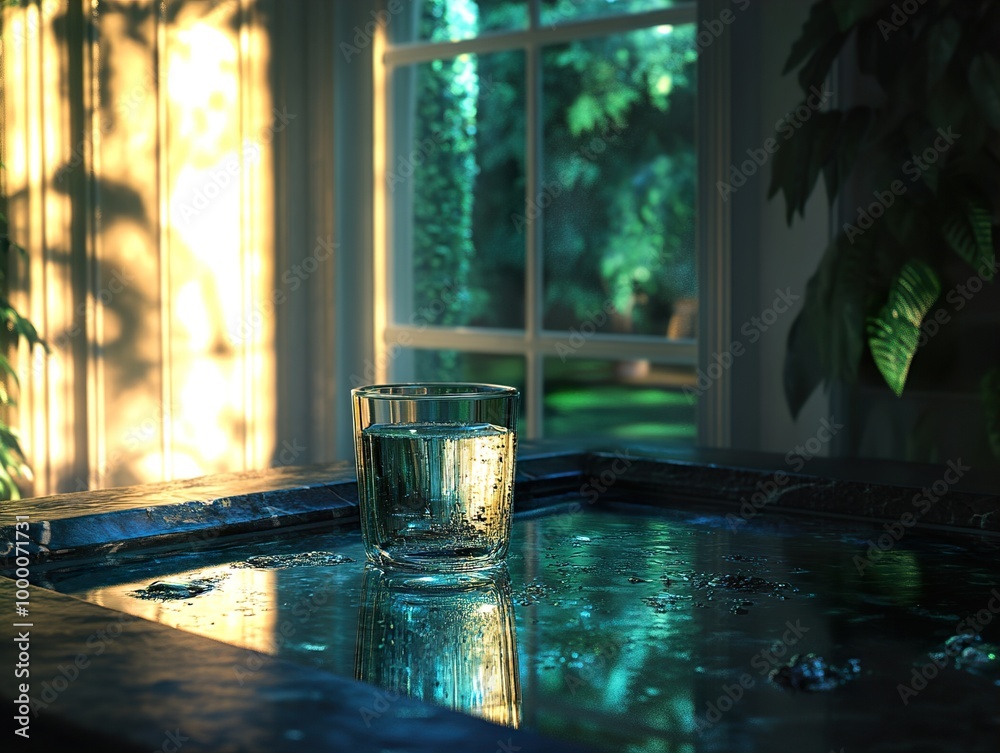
[{"x": 444, "y": 639}]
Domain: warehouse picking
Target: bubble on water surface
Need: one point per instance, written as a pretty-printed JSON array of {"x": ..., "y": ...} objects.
[
  {"x": 811, "y": 673},
  {"x": 282, "y": 561}
]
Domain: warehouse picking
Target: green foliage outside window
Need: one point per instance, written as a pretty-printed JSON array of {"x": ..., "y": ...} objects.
[{"x": 618, "y": 184}]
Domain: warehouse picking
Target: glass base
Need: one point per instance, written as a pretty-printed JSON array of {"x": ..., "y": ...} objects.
[{"x": 451, "y": 561}]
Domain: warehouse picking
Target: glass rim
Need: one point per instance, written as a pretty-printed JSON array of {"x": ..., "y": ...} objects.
[{"x": 435, "y": 391}]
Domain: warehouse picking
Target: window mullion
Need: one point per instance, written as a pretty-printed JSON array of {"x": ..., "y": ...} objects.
[
  {"x": 533, "y": 261},
  {"x": 713, "y": 235},
  {"x": 424, "y": 51},
  {"x": 535, "y": 14}
]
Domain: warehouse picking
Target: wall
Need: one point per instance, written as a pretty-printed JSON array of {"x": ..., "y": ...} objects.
[
  {"x": 767, "y": 255},
  {"x": 140, "y": 142}
]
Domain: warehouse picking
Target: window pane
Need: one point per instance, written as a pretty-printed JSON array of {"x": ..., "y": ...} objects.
[
  {"x": 454, "y": 366},
  {"x": 624, "y": 399},
  {"x": 618, "y": 194},
  {"x": 562, "y": 11},
  {"x": 451, "y": 20},
  {"x": 456, "y": 171}
]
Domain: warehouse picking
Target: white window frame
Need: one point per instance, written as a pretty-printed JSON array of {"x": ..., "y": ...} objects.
[{"x": 534, "y": 342}]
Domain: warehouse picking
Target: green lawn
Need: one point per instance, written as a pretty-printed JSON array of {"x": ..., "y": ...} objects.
[{"x": 618, "y": 411}]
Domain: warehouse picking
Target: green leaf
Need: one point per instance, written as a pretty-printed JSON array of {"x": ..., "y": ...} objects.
[
  {"x": 583, "y": 114},
  {"x": 893, "y": 334},
  {"x": 990, "y": 393},
  {"x": 817, "y": 30},
  {"x": 11, "y": 245},
  {"x": 804, "y": 371},
  {"x": 969, "y": 233},
  {"x": 918, "y": 139},
  {"x": 948, "y": 103},
  {"x": 849, "y": 12},
  {"x": 984, "y": 79},
  {"x": 904, "y": 223},
  {"x": 827, "y": 337},
  {"x": 870, "y": 43},
  {"x": 844, "y": 151},
  {"x": 7, "y": 368},
  {"x": 799, "y": 161},
  {"x": 942, "y": 39},
  {"x": 814, "y": 73},
  {"x": 8, "y": 435},
  {"x": 23, "y": 327}
]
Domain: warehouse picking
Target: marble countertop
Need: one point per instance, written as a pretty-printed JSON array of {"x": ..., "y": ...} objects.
[{"x": 126, "y": 683}]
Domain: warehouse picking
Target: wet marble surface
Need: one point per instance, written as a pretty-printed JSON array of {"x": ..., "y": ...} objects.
[
  {"x": 633, "y": 628},
  {"x": 105, "y": 680},
  {"x": 150, "y": 680}
]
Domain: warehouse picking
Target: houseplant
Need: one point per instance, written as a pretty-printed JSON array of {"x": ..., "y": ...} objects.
[
  {"x": 918, "y": 155},
  {"x": 15, "y": 329}
]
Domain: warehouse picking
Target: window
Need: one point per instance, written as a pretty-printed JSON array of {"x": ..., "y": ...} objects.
[{"x": 535, "y": 207}]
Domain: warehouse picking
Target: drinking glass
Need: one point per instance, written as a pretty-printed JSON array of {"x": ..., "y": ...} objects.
[{"x": 435, "y": 468}]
